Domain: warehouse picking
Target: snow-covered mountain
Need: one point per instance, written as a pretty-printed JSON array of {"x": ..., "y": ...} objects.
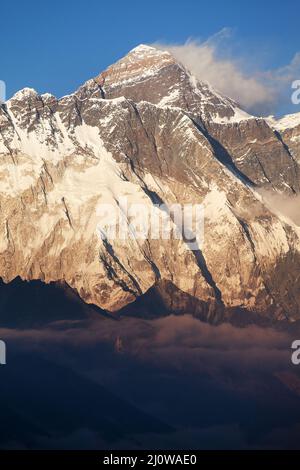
[{"x": 147, "y": 130}]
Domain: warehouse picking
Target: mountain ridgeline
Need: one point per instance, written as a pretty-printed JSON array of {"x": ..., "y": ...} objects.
[{"x": 147, "y": 130}]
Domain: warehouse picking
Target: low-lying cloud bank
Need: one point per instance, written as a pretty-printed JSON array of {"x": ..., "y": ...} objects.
[
  {"x": 260, "y": 92},
  {"x": 217, "y": 387}
]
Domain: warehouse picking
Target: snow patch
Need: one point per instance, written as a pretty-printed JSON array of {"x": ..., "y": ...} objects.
[{"x": 287, "y": 122}]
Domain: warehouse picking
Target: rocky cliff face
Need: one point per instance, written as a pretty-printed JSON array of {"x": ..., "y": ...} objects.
[{"x": 148, "y": 131}]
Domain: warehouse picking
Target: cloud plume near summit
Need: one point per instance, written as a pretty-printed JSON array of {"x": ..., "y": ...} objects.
[{"x": 261, "y": 91}]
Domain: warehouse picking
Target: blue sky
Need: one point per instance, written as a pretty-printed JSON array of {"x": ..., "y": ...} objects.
[{"x": 55, "y": 46}]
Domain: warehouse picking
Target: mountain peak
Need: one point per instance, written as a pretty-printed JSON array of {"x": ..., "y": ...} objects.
[
  {"x": 24, "y": 94},
  {"x": 143, "y": 51},
  {"x": 141, "y": 62},
  {"x": 171, "y": 138},
  {"x": 143, "y": 48},
  {"x": 148, "y": 73}
]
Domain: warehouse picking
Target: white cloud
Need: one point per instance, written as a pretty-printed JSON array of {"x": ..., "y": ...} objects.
[
  {"x": 288, "y": 206},
  {"x": 259, "y": 92}
]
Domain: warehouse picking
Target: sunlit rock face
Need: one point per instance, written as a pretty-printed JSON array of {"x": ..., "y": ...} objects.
[{"x": 148, "y": 131}]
